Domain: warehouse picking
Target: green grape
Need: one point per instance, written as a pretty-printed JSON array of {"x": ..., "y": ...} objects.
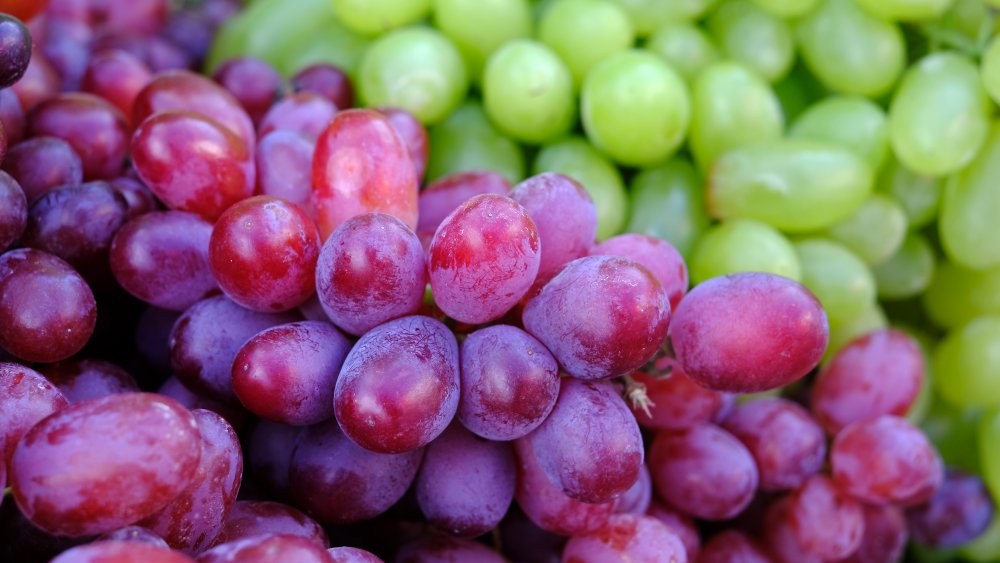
[
  {"x": 918, "y": 194},
  {"x": 649, "y": 15},
  {"x": 788, "y": 9},
  {"x": 906, "y": 10},
  {"x": 480, "y": 27},
  {"x": 958, "y": 295},
  {"x": 872, "y": 318},
  {"x": 839, "y": 279},
  {"x": 852, "y": 121},
  {"x": 754, "y": 37},
  {"x": 874, "y": 231},
  {"x": 909, "y": 271},
  {"x": 333, "y": 44},
  {"x": 731, "y": 107},
  {"x": 795, "y": 185},
  {"x": 466, "y": 141},
  {"x": 416, "y": 69},
  {"x": 989, "y": 69},
  {"x": 953, "y": 431},
  {"x": 939, "y": 115},
  {"x": 528, "y": 92},
  {"x": 635, "y": 108},
  {"x": 796, "y": 92},
  {"x": 685, "y": 47},
  {"x": 585, "y": 32},
  {"x": 576, "y": 158},
  {"x": 968, "y": 19},
  {"x": 667, "y": 202},
  {"x": 989, "y": 449},
  {"x": 851, "y": 51},
  {"x": 967, "y": 222},
  {"x": 985, "y": 548},
  {"x": 921, "y": 406},
  {"x": 966, "y": 364},
  {"x": 743, "y": 245},
  {"x": 372, "y": 17}
]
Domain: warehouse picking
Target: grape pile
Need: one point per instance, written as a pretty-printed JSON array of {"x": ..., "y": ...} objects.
[{"x": 459, "y": 280}]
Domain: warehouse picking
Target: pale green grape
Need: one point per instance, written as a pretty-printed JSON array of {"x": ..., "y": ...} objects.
[
  {"x": 576, "y": 158},
  {"x": 967, "y": 364},
  {"x": 872, "y": 318},
  {"x": 989, "y": 69},
  {"x": 372, "y": 17},
  {"x": 649, "y": 15},
  {"x": 528, "y": 92},
  {"x": 985, "y": 548},
  {"x": 585, "y": 32},
  {"x": 874, "y": 231},
  {"x": 851, "y": 51},
  {"x": 731, "y": 106},
  {"x": 906, "y": 10},
  {"x": 466, "y": 141},
  {"x": 939, "y": 115},
  {"x": 796, "y": 185},
  {"x": 480, "y": 27},
  {"x": 743, "y": 245},
  {"x": 788, "y": 9},
  {"x": 839, "y": 279},
  {"x": 855, "y": 122},
  {"x": 968, "y": 219},
  {"x": 968, "y": 18},
  {"x": 416, "y": 69},
  {"x": 957, "y": 295},
  {"x": 667, "y": 202},
  {"x": 953, "y": 432},
  {"x": 333, "y": 44},
  {"x": 635, "y": 108},
  {"x": 685, "y": 47},
  {"x": 909, "y": 271},
  {"x": 754, "y": 37},
  {"x": 918, "y": 194}
]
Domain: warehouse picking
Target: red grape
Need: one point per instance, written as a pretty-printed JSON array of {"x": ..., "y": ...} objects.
[
  {"x": 627, "y": 538},
  {"x": 732, "y": 546},
  {"x": 95, "y": 129},
  {"x": 117, "y": 76},
  {"x": 24, "y": 9},
  {"x": 42, "y": 164},
  {"x": 638, "y": 497},
  {"x": 780, "y": 538},
  {"x": 327, "y": 81},
  {"x": 13, "y": 211},
  {"x": 658, "y": 256},
  {"x": 681, "y": 525},
  {"x": 442, "y": 196},
  {"x": 284, "y": 160},
  {"x": 430, "y": 548},
  {"x": 249, "y": 518},
  {"x": 39, "y": 83},
  {"x": 119, "y": 551},
  {"x": 884, "y": 538},
  {"x": 236, "y": 415},
  {"x": 304, "y": 113},
  {"x": 827, "y": 523},
  {"x": 414, "y": 136},
  {"x": 80, "y": 380},
  {"x": 11, "y": 116},
  {"x": 26, "y": 397},
  {"x": 139, "y": 200},
  {"x": 676, "y": 401},
  {"x": 253, "y": 82},
  {"x": 267, "y": 548}
]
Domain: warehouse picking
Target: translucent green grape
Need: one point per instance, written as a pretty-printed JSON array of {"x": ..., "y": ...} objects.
[
  {"x": 684, "y": 46},
  {"x": 795, "y": 185},
  {"x": 966, "y": 364},
  {"x": 480, "y": 27},
  {"x": 855, "y": 122},
  {"x": 989, "y": 69},
  {"x": 874, "y": 231},
  {"x": 906, "y": 10},
  {"x": 417, "y": 69},
  {"x": 851, "y": 51},
  {"x": 755, "y": 37},
  {"x": 333, "y": 44},
  {"x": 635, "y": 108},
  {"x": 788, "y": 9},
  {"x": 968, "y": 218},
  {"x": 925, "y": 398},
  {"x": 743, "y": 245},
  {"x": 731, "y": 106},
  {"x": 649, "y": 15},
  {"x": 576, "y": 158},
  {"x": 957, "y": 295},
  {"x": 667, "y": 202},
  {"x": 953, "y": 431},
  {"x": 372, "y": 17},
  {"x": 528, "y": 92},
  {"x": 967, "y": 18},
  {"x": 585, "y": 32},
  {"x": 939, "y": 115},
  {"x": 466, "y": 141},
  {"x": 918, "y": 194},
  {"x": 839, "y": 279},
  {"x": 872, "y": 318},
  {"x": 909, "y": 271}
]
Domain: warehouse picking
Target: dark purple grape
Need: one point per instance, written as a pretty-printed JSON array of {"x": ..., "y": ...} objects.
[
  {"x": 306, "y": 114},
  {"x": 253, "y": 82},
  {"x": 26, "y": 397},
  {"x": 95, "y": 129},
  {"x": 430, "y": 548},
  {"x": 732, "y": 546},
  {"x": 15, "y": 49},
  {"x": 658, "y": 256},
  {"x": 249, "y": 518},
  {"x": 884, "y": 538},
  {"x": 638, "y": 497},
  {"x": 139, "y": 200},
  {"x": 959, "y": 512},
  {"x": 190, "y": 30},
  {"x": 234, "y": 414},
  {"x": 81, "y": 379},
  {"x": 152, "y": 337},
  {"x": 120, "y": 551},
  {"x": 267, "y": 548},
  {"x": 443, "y": 196},
  {"x": 42, "y": 164},
  {"x": 13, "y": 211},
  {"x": 11, "y": 116},
  {"x": 327, "y": 81},
  {"x": 269, "y": 453},
  {"x": 627, "y": 537}
]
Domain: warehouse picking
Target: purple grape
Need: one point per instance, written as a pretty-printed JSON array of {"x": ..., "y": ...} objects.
[
  {"x": 80, "y": 379},
  {"x": 269, "y": 451},
  {"x": 779, "y": 536},
  {"x": 42, "y": 164},
  {"x": 13, "y": 211},
  {"x": 267, "y": 548},
  {"x": 638, "y": 497},
  {"x": 305, "y": 114},
  {"x": 26, "y": 397},
  {"x": 95, "y": 129},
  {"x": 658, "y": 256},
  {"x": 676, "y": 400},
  {"x": 133, "y": 533},
  {"x": 884, "y": 538},
  {"x": 445, "y": 549},
  {"x": 351, "y": 555},
  {"x": 627, "y": 537},
  {"x": 114, "y": 551},
  {"x": 249, "y": 518},
  {"x": 139, "y": 200},
  {"x": 522, "y": 540},
  {"x": 12, "y": 117},
  {"x": 234, "y": 414},
  {"x": 826, "y": 522},
  {"x": 681, "y": 525},
  {"x": 443, "y": 196},
  {"x": 284, "y": 164},
  {"x": 958, "y": 513},
  {"x": 732, "y": 546},
  {"x": 253, "y": 82},
  {"x": 15, "y": 50},
  {"x": 327, "y": 81}
]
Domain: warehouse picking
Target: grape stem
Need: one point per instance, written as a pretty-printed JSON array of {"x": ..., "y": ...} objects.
[{"x": 635, "y": 393}]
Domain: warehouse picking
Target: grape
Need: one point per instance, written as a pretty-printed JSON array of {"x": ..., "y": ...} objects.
[
  {"x": 133, "y": 534},
  {"x": 958, "y": 434},
  {"x": 780, "y": 538},
  {"x": 42, "y": 164},
  {"x": 139, "y": 200},
  {"x": 602, "y": 316},
  {"x": 28, "y": 397},
  {"x": 852, "y": 121},
  {"x": 885, "y": 460},
  {"x": 325, "y": 41},
  {"x": 627, "y": 537},
  {"x": 676, "y": 401},
  {"x": 917, "y": 194},
  {"x": 16, "y": 52},
  {"x": 966, "y": 363},
  {"x": 444, "y": 195},
  {"x": 959, "y": 511},
  {"x": 414, "y": 136},
  {"x": 510, "y": 383},
  {"x": 732, "y": 546},
  {"x": 13, "y": 211},
  {"x": 270, "y": 448},
  {"x": 25, "y": 10},
  {"x": 417, "y": 69},
  {"x": 253, "y": 82},
  {"x": 80, "y": 380},
  {"x": 265, "y": 549},
  {"x": 399, "y": 386},
  {"x": 755, "y": 37},
  {"x": 336, "y": 481},
  {"x": 374, "y": 17},
  {"x": 884, "y": 537},
  {"x": 876, "y": 374},
  {"x": 528, "y": 92},
  {"x": 102, "y": 464},
  {"x": 635, "y": 108},
  {"x": 957, "y": 295},
  {"x": 826, "y": 522},
  {"x": 478, "y": 28},
  {"x": 743, "y": 245},
  {"x": 585, "y": 32},
  {"x": 658, "y": 256},
  {"x": 95, "y": 129},
  {"x": 284, "y": 162},
  {"x": 788, "y": 9},
  {"x": 467, "y": 141},
  {"x": 748, "y": 332},
  {"x": 351, "y": 555},
  {"x": 966, "y": 238},
  {"x": 465, "y": 484},
  {"x": 236, "y": 415},
  {"x": 681, "y": 525},
  {"x": 39, "y": 83},
  {"x": 875, "y": 231},
  {"x": 839, "y": 279},
  {"x": 649, "y": 15},
  {"x": 115, "y": 551},
  {"x": 638, "y": 498},
  {"x": 686, "y": 47},
  {"x": 445, "y": 549},
  {"x": 361, "y": 165},
  {"x": 989, "y": 69},
  {"x": 907, "y": 10},
  {"x": 117, "y": 76},
  {"x": 12, "y": 116},
  {"x": 483, "y": 258},
  {"x": 326, "y": 80},
  {"x": 703, "y": 471},
  {"x": 667, "y": 203},
  {"x": 249, "y": 518}
]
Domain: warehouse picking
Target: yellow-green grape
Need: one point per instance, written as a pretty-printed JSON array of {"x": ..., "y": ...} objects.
[
  {"x": 839, "y": 279},
  {"x": 968, "y": 218},
  {"x": 528, "y": 92},
  {"x": 416, "y": 69},
  {"x": 731, "y": 107},
  {"x": 480, "y": 27},
  {"x": 743, "y": 245},
  {"x": 969, "y": 18},
  {"x": 939, "y": 115},
  {"x": 966, "y": 364},
  {"x": 957, "y": 295},
  {"x": 635, "y": 108},
  {"x": 585, "y": 32},
  {"x": 467, "y": 141},
  {"x": 685, "y": 47},
  {"x": 754, "y": 37},
  {"x": 649, "y": 15},
  {"x": 855, "y": 122},
  {"x": 872, "y": 318},
  {"x": 908, "y": 272},
  {"x": 874, "y": 231},
  {"x": 372, "y": 17},
  {"x": 989, "y": 69},
  {"x": 918, "y": 194},
  {"x": 788, "y": 9},
  {"x": 906, "y": 10},
  {"x": 851, "y": 51},
  {"x": 333, "y": 44},
  {"x": 795, "y": 185},
  {"x": 985, "y": 548},
  {"x": 576, "y": 158},
  {"x": 667, "y": 202}
]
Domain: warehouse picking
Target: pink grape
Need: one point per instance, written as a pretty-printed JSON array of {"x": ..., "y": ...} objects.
[
  {"x": 442, "y": 196},
  {"x": 658, "y": 256},
  {"x": 249, "y": 518},
  {"x": 827, "y": 522},
  {"x": 627, "y": 537},
  {"x": 26, "y": 397}
]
